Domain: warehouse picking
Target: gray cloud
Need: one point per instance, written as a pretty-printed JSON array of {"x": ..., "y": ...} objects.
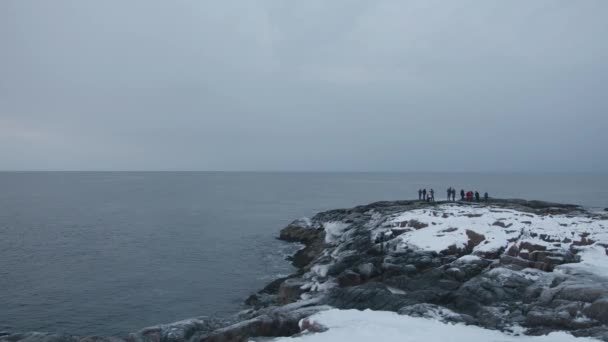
[{"x": 308, "y": 85}]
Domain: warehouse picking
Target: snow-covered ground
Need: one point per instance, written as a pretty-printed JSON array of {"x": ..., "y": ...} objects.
[
  {"x": 447, "y": 225},
  {"x": 366, "y": 326}
]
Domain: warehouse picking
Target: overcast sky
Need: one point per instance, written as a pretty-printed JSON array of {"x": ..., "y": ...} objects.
[{"x": 341, "y": 85}]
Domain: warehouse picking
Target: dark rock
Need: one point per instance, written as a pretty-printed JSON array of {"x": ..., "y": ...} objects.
[
  {"x": 375, "y": 296},
  {"x": 252, "y": 300},
  {"x": 600, "y": 333},
  {"x": 306, "y": 255},
  {"x": 343, "y": 264},
  {"x": 311, "y": 326},
  {"x": 305, "y": 235},
  {"x": 510, "y": 260},
  {"x": 531, "y": 247},
  {"x": 290, "y": 290},
  {"x": 416, "y": 224},
  {"x": 584, "y": 241},
  {"x": 456, "y": 274},
  {"x": 552, "y": 319},
  {"x": 349, "y": 278},
  {"x": 393, "y": 270},
  {"x": 273, "y": 286},
  {"x": 271, "y": 324},
  {"x": 474, "y": 240},
  {"x": 174, "y": 332},
  {"x": 501, "y": 224},
  {"x": 303, "y": 231},
  {"x": 580, "y": 292},
  {"x": 261, "y": 300}
]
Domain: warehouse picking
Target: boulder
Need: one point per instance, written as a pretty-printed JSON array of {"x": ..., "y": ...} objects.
[
  {"x": 174, "y": 332},
  {"x": 598, "y": 310},
  {"x": 374, "y": 296},
  {"x": 580, "y": 292},
  {"x": 290, "y": 290},
  {"x": 349, "y": 278},
  {"x": 303, "y": 234}
]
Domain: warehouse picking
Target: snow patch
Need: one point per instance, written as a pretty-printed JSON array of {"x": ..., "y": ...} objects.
[
  {"x": 467, "y": 259},
  {"x": 365, "y": 326},
  {"x": 333, "y": 230},
  {"x": 395, "y": 290},
  {"x": 320, "y": 270},
  {"x": 593, "y": 261}
]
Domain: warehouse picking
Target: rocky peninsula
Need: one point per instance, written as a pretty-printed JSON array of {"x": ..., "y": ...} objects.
[{"x": 508, "y": 270}]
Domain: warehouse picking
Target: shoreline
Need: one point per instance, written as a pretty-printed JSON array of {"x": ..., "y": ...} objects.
[{"x": 347, "y": 256}]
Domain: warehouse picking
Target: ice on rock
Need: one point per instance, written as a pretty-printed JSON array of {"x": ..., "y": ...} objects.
[{"x": 333, "y": 231}]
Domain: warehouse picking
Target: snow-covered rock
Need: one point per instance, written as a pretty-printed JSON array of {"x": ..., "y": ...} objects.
[{"x": 510, "y": 265}]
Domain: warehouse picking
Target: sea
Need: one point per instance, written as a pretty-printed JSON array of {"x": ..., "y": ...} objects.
[{"x": 107, "y": 253}]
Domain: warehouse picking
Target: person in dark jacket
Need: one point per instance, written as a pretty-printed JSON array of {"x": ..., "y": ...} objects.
[
  {"x": 486, "y": 197},
  {"x": 432, "y": 195},
  {"x": 419, "y": 194},
  {"x": 424, "y": 194},
  {"x": 449, "y": 193},
  {"x": 462, "y": 195},
  {"x": 476, "y": 196}
]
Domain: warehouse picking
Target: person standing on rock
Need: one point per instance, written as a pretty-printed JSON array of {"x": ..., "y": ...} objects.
[
  {"x": 476, "y": 196},
  {"x": 424, "y": 194},
  {"x": 462, "y": 194},
  {"x": 432, "y": 195},
  {"x": 453, "y": 195},
  {"x": 419, "y": 194},
  {"x": 486, "y": 197},
  {"x": 449, "y": 193}
]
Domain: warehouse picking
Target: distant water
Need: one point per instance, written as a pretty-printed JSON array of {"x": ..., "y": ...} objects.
[{"x": 110, "y": 253}]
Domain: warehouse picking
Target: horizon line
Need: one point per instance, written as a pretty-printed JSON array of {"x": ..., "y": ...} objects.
[{"x": 303, "y": 171}]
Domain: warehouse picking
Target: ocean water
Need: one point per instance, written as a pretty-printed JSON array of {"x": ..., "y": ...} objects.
[{"x": 109, "y": 253}]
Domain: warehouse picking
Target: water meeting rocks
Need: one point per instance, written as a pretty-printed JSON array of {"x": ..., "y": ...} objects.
[{"x": 502, "y": 265}]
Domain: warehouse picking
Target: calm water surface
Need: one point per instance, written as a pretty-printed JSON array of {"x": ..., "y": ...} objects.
[{"x": 110, "y": 253}]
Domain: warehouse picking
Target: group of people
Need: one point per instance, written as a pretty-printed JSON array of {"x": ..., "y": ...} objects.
[
  {"x": 426, "y": 196},
  {"x": 468, "y": 196}
]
